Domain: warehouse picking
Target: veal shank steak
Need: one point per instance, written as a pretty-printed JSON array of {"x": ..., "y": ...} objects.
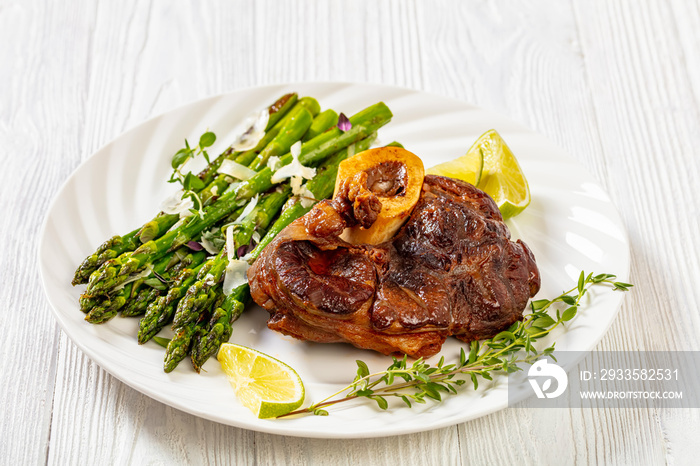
[{"x": 450, "y": 270}]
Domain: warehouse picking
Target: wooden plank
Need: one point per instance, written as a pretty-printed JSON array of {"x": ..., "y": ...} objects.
[
  {"x": 438, "y": 447},
  {"x": 39, "y": 128},
  {"x": 99, "y": 420},
  {"x": 647, "y": 119}
]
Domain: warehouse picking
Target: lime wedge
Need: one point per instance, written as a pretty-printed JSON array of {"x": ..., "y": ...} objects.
[
  {"x": 501, "y": 177},
  {"x": 466, "y": 168},
  {"x": 263, "y": 384}
]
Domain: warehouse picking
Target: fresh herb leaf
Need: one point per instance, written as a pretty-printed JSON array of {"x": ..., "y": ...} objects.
[
  {"x": 544, "y": 321},
  {"x": 362, "y": 369},
  {"x": 191, "y": 184},
  {"x": 180, "y": 157},
  {"x": 539, "y": 304},
  {"x": 569, "y": 313},
  {"x": 207, "y": 139},
  {"x": 570, "y": 300}
]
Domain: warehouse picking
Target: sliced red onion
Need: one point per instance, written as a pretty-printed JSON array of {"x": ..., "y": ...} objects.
[
  {"x": 195, "y": 246},
  {"x": 241, "y": 251},
  {"x": 245, "y": 249},
  {"x": 343, "y": 123}
]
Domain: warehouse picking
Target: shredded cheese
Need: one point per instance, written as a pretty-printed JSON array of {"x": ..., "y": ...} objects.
[
  {"x": 295, "y": 168},
  {"x": 248, "y": 209},
  {"x": 178, "y": 224},
  {"x": 236, "y": 170},
  {"x": 295, "y": 183},
  {"x": 236, "y": 270},
  {"x": 230, "y": 253},
  {"x": 306, "y": 197},
  {"x": 174, "y": 204},
  {"x": 208, "y": 245},
  {"x": 142, "y": 274},
  {"x": 272, "y": 162},
  {"x": 254, "y": 129},
  {"x": 231, "y": 187},
  {"x": 236, "y": 274}
]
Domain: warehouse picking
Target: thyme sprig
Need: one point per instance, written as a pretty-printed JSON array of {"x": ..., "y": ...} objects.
[
  {"x": 191, "y": 183},
  {"x": 419, "y": 381}
]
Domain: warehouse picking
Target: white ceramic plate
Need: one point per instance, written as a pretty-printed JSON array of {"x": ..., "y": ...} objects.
[{"x": 570, "y": 226}]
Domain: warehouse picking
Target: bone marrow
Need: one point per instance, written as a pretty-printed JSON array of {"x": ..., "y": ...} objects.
[{"x": 387, "y": 180}]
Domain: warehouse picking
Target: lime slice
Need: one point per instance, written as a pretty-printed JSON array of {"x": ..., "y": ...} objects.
[
  {"x": 501, "y": 177},
  {"x": 263, "y": 384},
  {"x": 466, "y": 168}
]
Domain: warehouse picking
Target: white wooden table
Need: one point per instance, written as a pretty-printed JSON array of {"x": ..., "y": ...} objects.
[{"x": 616, "y": 83}]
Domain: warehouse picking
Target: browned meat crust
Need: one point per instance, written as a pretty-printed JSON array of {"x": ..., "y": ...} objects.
[{"x": 450, "y": 270}]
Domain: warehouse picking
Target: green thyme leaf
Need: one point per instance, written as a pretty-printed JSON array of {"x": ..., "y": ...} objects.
[
  {"x": 381, "y": 401},
  {"x": 539, "y": 304},
  {"x": 362, "y": 369},
  {"x": 544, "y": 321},
  {"x": 570, "y": 300},
  {"x": 603, "y": 276},
  {"x": 430, "y": 392},
  {"x": 621, "y": 286},
  {"x": 207, "y": 139},
  {"x": 473, "y": 351},
  {"x": 569, "y": 313},
  {"x": 505, "y": 335},
  {"x": 475, "y": 381},
  {"x": 421, "y": 376},
  {"x": 192, "y": 182},
  {"x": 180, "y": 157}
]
